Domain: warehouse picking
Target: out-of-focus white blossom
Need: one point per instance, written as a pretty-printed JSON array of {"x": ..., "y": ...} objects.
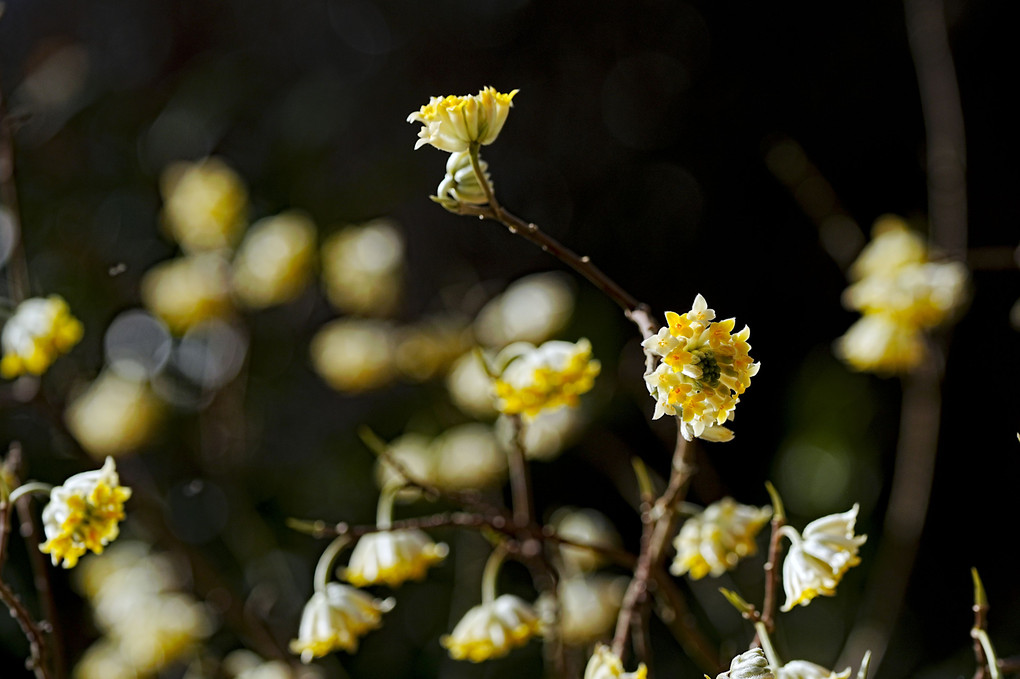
[
  {"x": 425, "y": 349},
  {"x": 188, "y": 290},
  {"x": 531, "y": 309},
  {"x": 545, "y": 435},
  {"x": 40, "y": 330},
  {"x": 361, "y": 268},
  {"x": 470, "y": 386},
  {"x": 275, "y": 261},
  {"x": 335, "y": 619},
  {"x": 354, "y": 354},
  {"x": 115, "y": 415},
  {"x": 589, "y": 605},
  {"x": 492, "y": 629},
  {"x": 204, "y": 204},
  {"x": 587, "y": 527},
  {"x": 468, "y": 456},
  {"x": 802, "y": 669}
]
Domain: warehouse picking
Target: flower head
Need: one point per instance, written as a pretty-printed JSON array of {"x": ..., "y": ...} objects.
[
  {"x": 188, "y": 290},
  {"x": 453, "y": 123},
  {"x": 41, "y": 329},
  {"x": 882, "y": 344},
  {"x": 802, "y": 669},
  {"x": 204, "y": 204},
  {"x": 704, "y": 368},
  {"x": 274, "y": 263},
  {"x": 552, "y": 375},
  {"x": 115, "y": 415},
  {"x": 819, "y": 557},
  {"x": 83, "y": 514},
  {"x": 336, "y": 618},
  {"x": 749, "y": 665},
  {"x": 715, "y": 540},
  {"x": 604, "y": 664},
  {"x": 354, "y": 354},
  {"x": 361, "y": 268},
  {"x": 391, "y": 557},
  {"x": 491, "y": 629},
  {"x": 588, "y": 606}
]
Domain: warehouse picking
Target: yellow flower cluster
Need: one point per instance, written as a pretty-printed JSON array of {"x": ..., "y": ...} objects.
[
  {"x": 492, "y": 629},
  {"x": 715, "y": 540},
  {"x": 335, "y": 618},
  {"x": 40, "y": 330},
  {"x": 453, "y": 123},
  {"x": 900, "y": 293},
  {"x": 550, "y": 376},
  {"x": 819, "y": 557},
  {"x": 83, "y": 514},
  {"x": 704, "y": 368}
]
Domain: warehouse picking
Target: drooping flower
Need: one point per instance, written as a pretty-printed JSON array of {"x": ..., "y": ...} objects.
[
  {"x": 900, "y": 292},
  {"x": 274, "y": 263},
  {"x": 336, "y": 618},
  {"x": 749, "y": 665},
  {"x": 604, "y": 664},
  {"x": 712, "y": 542},
  {"x": 819, "y": 557},
  {"x": 204, "y": 204},
  {"x": 552, "y": 375},
  {"x": 83, "y": 514},
  {"x": 704, "y": 368},
  {"x": 452, "y": 123},
  {"x": 802, "y": 669},
  {"x": 392, "y": 557},
  {"x": 492, "y": 629},
  {"x": 41, "y": 329}
]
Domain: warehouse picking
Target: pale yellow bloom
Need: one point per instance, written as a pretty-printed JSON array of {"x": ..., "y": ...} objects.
[
  {"x": 900, "y": 293},
  {"x": 413, "y": 452},
  {"x": 545, "y": 435},
  {"x": 116, "y": 415},
  {"x": 802, "y": 669},
  {"x": 461, "y": 185},
  {"x": 819, "y": 557},
  {"x": 103, "y": 660},
  {"x": 470, "y": 386},
  {"x": 453, "y": 123},
  {"x": 41, "y": 329},
  {"x": 275, "y": 261},
  {"x": 749, "y": 665},
  {"x": 425, "y": 349},
  {"x": 492, "y": 629},
  {"x": 552, "y": 375},
  {"x": 392, "y": 557},
  {"x": 83, "y": 514},
  {"x": 589, "y": 605},
  {"x": 712, "y": 542},
  {"x": 354, "y": 354},
  {"x": 704, "y": 368},
  {"x": 336, "y": 618},
  {"x": 161, "y": 631},
  {"x": 467, "y": 456},
  {"x": 204, "y": 204},
  {"x": 531, "y": 309},
  {"x": 604, "y": 664},
  {"x": 586, "y": 527},
  {"x": 361, "y": 268},
  {"x": 188, "y": 290}
]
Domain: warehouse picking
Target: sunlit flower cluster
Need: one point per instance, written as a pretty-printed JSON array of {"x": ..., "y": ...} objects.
[
  {"x": 712, "y": 542},
  {"x": 148, "y": 622},
  {"x": 453, "y": 123},
  {"x": 393, "y": 557},
  {"x": 550, "y": 376},
  {"x": 41, "y": 329},
  {"x": 335, "y": 618},
  {"x": 900, "y": 293},
  {"x": 704, "y": 368},
  {"x": 604, "y": 664},
  {"x": 819, "y": 557},
  {"x": 84, "y": 514},
  {"x": 492, "y": 629}
]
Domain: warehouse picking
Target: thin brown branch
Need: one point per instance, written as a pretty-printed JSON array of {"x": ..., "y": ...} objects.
[
  {"x": 520, "y": 476},
  {"x": 768, "y": 616},
  {"x": 676, "y": 615},
  {"x": 41, "y": 579}
]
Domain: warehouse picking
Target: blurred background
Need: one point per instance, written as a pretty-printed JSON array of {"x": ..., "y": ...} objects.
[{"x": 739, "y": 150}]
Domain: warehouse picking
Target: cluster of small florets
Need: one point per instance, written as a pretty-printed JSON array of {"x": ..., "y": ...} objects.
[
  {"x": 704, "y": 368},
  {"x": 900, "y": 293}
]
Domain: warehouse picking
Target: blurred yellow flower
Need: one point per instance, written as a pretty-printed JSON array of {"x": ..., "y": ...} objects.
[
  {"x": 900, "y": 292},
  {"x": 188, "y": 290},
  {"x": 41, "y": 329},
  {"x": 453, "y": 123},
  {"x": 532, "y": 309},
  {"x": 819, "y": 557},
  {"x": 83, "y": 514},
  {"x": 587, "y": 527},
  {"x": 275, "y": 261},
  {"x": 552, "y": 375},
  {"x": 426, "y": 348},
  {"x": 392, "y": 557},
  {"x": 204, "y": 204},
  {"x": 336, "y": 618},
  {"x": 115, "y": 415},
  {"x": 589, "y": 605},
  {"x": 492, "y": 629},
  {"x": 354, "y": 354},
  {"x": 604, "y": 664},
  {"x": 361, "y": 268},
  {"x": 467, "y": 456},
  {"x": 704, "y": 369},
  {"x": 712, "y": 542}
]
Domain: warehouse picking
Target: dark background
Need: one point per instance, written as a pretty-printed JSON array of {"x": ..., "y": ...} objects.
[{"x": 639, "y": 137}]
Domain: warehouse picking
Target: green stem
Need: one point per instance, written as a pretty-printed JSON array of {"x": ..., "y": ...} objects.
[
  {"x": 28, "y": 488},
  {"x": 384, "y": 510},
  {"x": 324, "y": 569},
  {"x": 490, "y": 576},
  {"x": 766, "y": 645},
  {"x": 990, "y": 657}
]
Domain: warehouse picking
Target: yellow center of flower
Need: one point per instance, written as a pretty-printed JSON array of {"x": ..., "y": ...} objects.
[{"x": 90, "y": 524}]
